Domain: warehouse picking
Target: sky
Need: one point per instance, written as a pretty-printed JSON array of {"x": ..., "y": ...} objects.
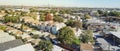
[{"x": 64, "y": 3}]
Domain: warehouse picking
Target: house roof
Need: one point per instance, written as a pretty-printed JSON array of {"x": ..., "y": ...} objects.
[
  {"x": 52, "y": 36},
  {"x": 57, "y": 48},
  {"x": 86, "y": 47},
  {"x": 26, "y": 47},
  {"x": 116, "y": 33},
  {"x": 10, "y": 44},
  {"x": 4, "y": 37},
  {"x": 105, "y": 45}
]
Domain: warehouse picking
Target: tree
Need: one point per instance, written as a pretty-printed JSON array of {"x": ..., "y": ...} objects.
[
  {"x": 33, "y": 15},
  {"x": 87, "y": 16},
  {"x": 73, "y": 23},
  {"x": 78, "y": 24},
  {"x": 22, "y": 26},
  {"x": 70, "y": 23},
  {"x": 64, "y": 11},
  {"x": 23, "y": 13},
  {"x": 97, "y": 14},
  {"x": 87, "y": 36},
  {"x": 66, "y": 35},
  {"x": 68, "y": 11},
  {"x": 35, "y": 36},
  {"x": 100, "y": 12},
  {"x": 53, "y": 11},
  {"x": 105, "y": 14},
  {"x": 33, "y": 10},
  {"x": 58, "y": 19},
  {"x": 42, "y": 17},
  {"x": 45, "y": 45},
  {"x": 13, "y": 19},
  {"x": 114, "y": 13},
  {"x": 2, "y": 27}
]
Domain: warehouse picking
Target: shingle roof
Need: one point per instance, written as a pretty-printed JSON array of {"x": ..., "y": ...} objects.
[
  {"x": 86, "y": 47},
  {"x": 10, "y": 44}
]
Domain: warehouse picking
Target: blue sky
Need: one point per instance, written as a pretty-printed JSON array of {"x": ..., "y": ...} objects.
[{"x": 67, "y": 3}]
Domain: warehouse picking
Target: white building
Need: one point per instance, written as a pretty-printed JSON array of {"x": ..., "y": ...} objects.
[
  {"x": 57, "y": 48},
  {"x": 59, "y": 25},
  {"x": 5, "y": 37},
  {"x": 26, "y": 47}
]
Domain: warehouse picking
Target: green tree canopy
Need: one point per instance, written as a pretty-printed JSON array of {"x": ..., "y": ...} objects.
[
  {"x": 100, "y": 11},
  {"x": 105, "y": 13},
  {"x": 64, "y": 11},
  {"x": 114, "y": 13},
  {"x": 58, "y": 19},
  {"x": 53, "y": 11},
  {"x": 13, "y": 19},
  {"x": 23, "y": 13},
  {"x": 45, "y": 45},
  {"x": 42, "y": 17},
  {"x": 87, "y": 36},
  {"x": 73, "y": 23},
  {"x": 87, "y": 16},
  {"x": 33, "y": 10},
  {"x": 66, "y": 35},
  {"x": 2, "y": 27}
]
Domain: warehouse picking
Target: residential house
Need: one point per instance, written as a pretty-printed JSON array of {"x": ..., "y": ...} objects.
[
  {"x": 10, "y": 44},
  {"x": 106, "y": 46},
  {"x": 25, "y": 35},
  {"x": 17, "y": 25},
  {"x": 34, "y": 42},
  {"x": 27, "y": 19},
  {"x": 57, "y": 48},
  {"x": 4, "y": 37},
  {"x": 54, "y": 30},
  {"x": 40, "y": 33},
  {"x": 25, "y": 47},
  {"x": 42, "y": 27},
  {"x": 9, "y": 29},
  {"x": 77, "y": 31},
  {"x": 10, "y": 24},
  {"x": 59, "y": 25},
  {"x": 86, "y": 47},
  {"x": 2, "y": 15},
  {"x": 47, "y": 28}
]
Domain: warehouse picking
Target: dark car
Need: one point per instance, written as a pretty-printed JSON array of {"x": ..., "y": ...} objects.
[
  {"x": 54, "y": 41},
  {"x": 118, "y": 50}
]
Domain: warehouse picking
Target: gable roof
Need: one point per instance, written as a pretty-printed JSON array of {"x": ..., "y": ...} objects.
[
  {"x": 86, "y": 47},
  {"x": 10, "y": 44}
]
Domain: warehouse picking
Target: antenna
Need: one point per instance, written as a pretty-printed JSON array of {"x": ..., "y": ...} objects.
[{"x": 48, "y": 4}]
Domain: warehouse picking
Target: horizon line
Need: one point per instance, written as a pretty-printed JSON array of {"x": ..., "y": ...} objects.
[{"x": 56, "y": 6}]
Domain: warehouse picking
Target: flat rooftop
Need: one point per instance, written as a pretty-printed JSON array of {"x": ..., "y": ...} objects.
[{"x": 10, "y": 44}]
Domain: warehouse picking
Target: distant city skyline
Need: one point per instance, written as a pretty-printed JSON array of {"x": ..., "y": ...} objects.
[{"x": 64, "y": 3}]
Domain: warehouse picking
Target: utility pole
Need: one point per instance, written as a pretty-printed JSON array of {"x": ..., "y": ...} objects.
[{"x": 109, "y": 47}]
